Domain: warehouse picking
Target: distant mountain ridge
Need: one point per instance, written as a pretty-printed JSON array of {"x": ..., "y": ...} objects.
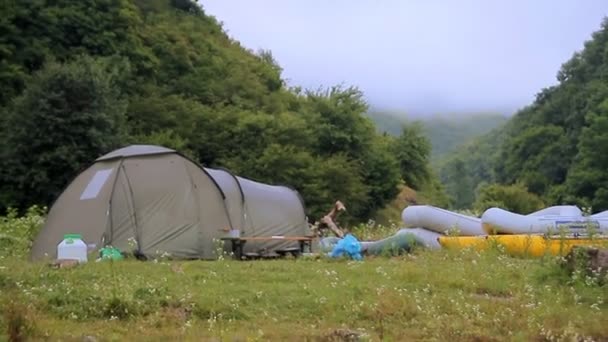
[{"x": 446, "y": 132}]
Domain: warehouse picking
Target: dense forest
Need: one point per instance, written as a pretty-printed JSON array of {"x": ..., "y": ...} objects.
[
  {"x": 555, "y": 148},
  {"x": 81, "y": 78}
]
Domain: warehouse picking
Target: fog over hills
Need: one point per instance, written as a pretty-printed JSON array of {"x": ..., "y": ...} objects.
[{"x": 418, "y": 57}]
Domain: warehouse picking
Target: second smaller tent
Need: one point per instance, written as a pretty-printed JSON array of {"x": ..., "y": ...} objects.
[{"x": 258, "y": 209}]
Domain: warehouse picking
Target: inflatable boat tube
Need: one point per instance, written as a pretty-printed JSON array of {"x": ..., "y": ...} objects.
[
  {"x": 393, "y": 245},
  {"x": 522, "y": 245},
  {"x": 440, "y": 220},
  {"x": 559, "y": 210},
  {"x": 423, "y": 237},
  {"x": 499, "y": 221},
  {"x": 327, "y": 244},
  {"x": 603, "y": 214},
  {"x": 602, "y": 219}
]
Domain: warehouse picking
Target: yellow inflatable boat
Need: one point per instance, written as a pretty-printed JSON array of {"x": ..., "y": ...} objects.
[{"x": 524, "y": 244}]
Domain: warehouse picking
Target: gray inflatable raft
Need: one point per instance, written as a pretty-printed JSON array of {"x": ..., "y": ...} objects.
[{"x": 399, "y": 243}]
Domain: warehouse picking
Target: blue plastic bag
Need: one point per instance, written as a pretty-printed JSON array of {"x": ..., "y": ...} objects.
[{"x": 348, "y": 245}]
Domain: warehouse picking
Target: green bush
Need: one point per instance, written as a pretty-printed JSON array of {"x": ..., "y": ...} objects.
[
  {"x": 515, "y": 198},
  {"x": 18, "y": 232}
]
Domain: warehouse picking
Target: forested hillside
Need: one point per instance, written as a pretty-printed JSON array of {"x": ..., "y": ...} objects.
[
  {"x": 80, "y": 78},
  {"x": 557, "y": 146},
  {"x": 472, "y": 165},
  {"x": 446, "y": 133},
  {"x": 387, "y": 122}
]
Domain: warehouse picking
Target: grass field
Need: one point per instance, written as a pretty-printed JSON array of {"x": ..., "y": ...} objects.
[
  {"x": 442, "y": 296},
  {"x": 448, "y": 295}
]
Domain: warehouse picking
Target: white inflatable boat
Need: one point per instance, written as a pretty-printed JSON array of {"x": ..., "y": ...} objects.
[
  {"x": 441, "y": 220},
  {"x": 557, "y": 219}
]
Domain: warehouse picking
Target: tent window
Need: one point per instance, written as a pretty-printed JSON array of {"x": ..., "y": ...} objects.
[{"x": 95, "y": 185}]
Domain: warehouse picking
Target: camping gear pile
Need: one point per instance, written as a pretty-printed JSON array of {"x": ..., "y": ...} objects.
[{"x": 344, "y": 244}]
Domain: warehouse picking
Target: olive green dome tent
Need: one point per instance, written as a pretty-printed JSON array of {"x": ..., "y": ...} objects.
[{"x": 153, "y": 200}]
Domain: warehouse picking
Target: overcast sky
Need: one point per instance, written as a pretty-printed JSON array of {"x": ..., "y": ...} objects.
[{"x": 418, "y": 56}]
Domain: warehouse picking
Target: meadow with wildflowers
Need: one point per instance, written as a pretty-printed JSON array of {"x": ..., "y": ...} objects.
[{"x": 442, "y": 295}]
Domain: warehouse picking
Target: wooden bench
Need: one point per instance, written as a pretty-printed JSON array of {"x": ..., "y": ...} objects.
[{"x": 237, "y": 243}]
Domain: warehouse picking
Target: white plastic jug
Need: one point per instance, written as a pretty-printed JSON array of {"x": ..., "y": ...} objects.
[{"x": 73, "y": 248}]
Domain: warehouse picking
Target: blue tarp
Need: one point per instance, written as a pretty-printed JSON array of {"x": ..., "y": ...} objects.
[{"x": 349, "y": 246}]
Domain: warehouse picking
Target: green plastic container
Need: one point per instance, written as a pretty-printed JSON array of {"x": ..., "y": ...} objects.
[
  {"x": 111, "y": 253},
  {"x": 69, "y": 238}
]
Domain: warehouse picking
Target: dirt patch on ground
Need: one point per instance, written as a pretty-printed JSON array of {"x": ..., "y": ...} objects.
[{"x": 343, "y": 335}]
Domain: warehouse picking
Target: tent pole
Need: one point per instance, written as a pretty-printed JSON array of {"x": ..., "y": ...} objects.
[
  {"x": 244, "y": 212},
  {"x": 198, "y": 206},
  {"x": 110, "y": 232},
  {"x": 137, "y": 232}
]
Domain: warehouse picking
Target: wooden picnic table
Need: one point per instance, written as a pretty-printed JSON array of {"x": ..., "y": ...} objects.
[{"x": 237, "y": 243}]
